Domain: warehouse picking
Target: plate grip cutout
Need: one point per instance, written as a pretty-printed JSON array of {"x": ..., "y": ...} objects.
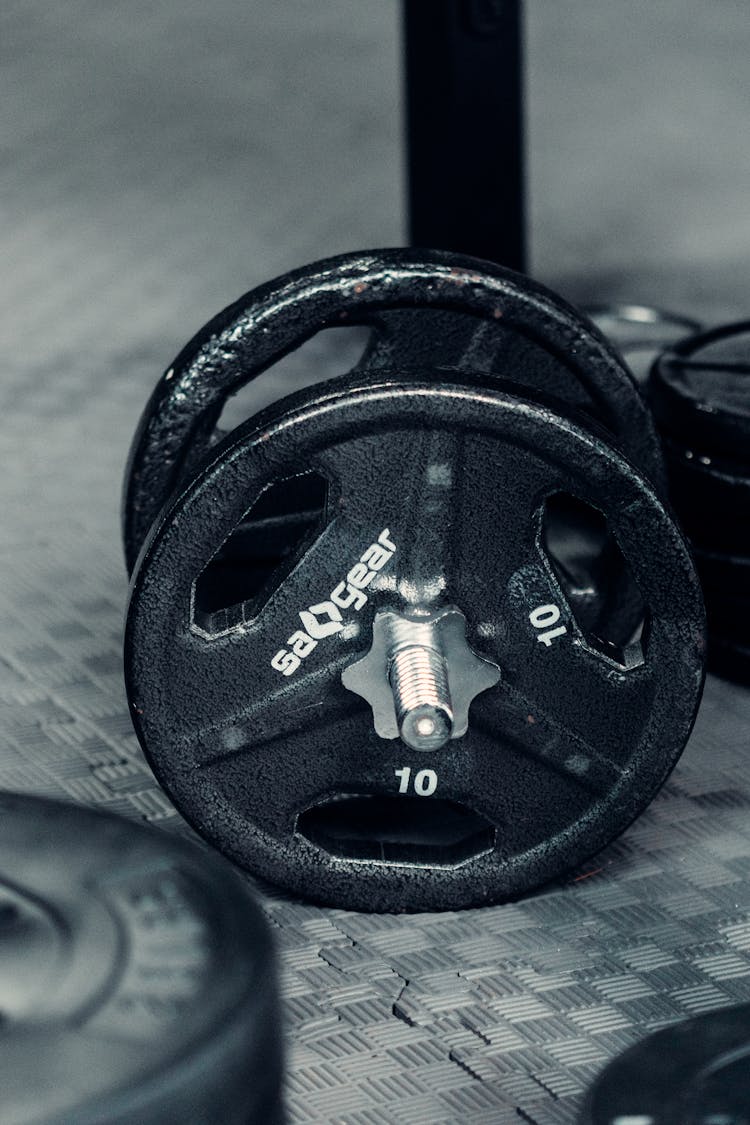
[{"x": 242, "y": 574}]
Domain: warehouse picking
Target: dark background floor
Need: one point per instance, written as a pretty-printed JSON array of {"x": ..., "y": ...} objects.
[{"x": 156, "y": 160}]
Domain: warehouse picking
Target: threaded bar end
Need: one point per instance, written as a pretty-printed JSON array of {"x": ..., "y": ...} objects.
[{"x": 418, "y": 677}]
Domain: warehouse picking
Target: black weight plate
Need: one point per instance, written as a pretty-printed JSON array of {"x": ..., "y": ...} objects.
[
  {"x": 729, "y": 657},
  {"x": 728, "y": 613},
  {"x": 700, "y": 392},
  {"x": 640, "y": 332},
  {"x": 710, "y": 497},
  {"x": 722, "y": 571},
  {"x": 137, "y": 977},
  {"x": 429, "y": 310},
  {"x": 695, "y": 1073},
  {"x": 558, "y": 759},
  {"x": 587, "y": 561}
]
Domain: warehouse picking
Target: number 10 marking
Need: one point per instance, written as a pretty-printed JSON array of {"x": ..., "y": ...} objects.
[
  {"x": 425, "y": 781},
  {"x": 544, "y": 616}
]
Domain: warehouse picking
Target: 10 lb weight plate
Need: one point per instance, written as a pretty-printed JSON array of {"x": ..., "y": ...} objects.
[
  {"x": 430, "y": 312},
  {"x": 436, "y": 504}
]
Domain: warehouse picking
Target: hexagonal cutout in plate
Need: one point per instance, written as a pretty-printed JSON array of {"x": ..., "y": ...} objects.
[
  {"x": 325, "y": 355},
  {"x": 250, "y": 564},
  {"x": 430, "y": 832},
  {"x": 596, "y": 580}
]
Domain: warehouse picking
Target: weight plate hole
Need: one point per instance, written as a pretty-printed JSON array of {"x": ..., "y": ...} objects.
[
  {"x": 9, "y": 915},
  {"x": 598, "y": 584},
  {"x": 326, "y": 355},
  {"x": 242, "y": 574},
  {"x": 428, "y": 831}
]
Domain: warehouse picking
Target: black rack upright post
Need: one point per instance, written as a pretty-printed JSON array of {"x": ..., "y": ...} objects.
[{"x": 464, "y": 124}]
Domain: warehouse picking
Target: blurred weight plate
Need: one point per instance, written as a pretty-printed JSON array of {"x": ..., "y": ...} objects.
[
  {"x": 725, "y": 580},
  {"x": 136, "y": 982},
  {"x": 640, "y": 332},
  {"x": 729, "y": 573},
  {"x": 728, "y": 614},
  {"x": 711, "y": 498},
  {"x": 700, "y": 392},
  {"x": 696, "y": 1073},
  {"x": 728, "y": 657}
]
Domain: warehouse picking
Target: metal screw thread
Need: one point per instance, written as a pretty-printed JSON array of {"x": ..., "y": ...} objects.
[
  {"x": 418, "y": 675},
  {"x": 419, "y": 678}
]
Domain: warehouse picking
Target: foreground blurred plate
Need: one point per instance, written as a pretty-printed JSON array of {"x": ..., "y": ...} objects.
[
  {"x": 695, "y": 1073},
  {"x": 136, "y": 981}
]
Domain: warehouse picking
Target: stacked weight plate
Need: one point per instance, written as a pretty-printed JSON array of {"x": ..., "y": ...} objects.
[
  {"x": 640, "y": 332},
  {"x": 470, "y": 517},
  {"x": 699, "y": 390}
]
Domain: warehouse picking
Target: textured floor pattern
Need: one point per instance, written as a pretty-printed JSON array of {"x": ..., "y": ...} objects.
[
  {"x": 477, "y": 1016},
  {"x": 158, "y": 159}
]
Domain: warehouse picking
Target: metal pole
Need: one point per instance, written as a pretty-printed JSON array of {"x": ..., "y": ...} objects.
[{"x": 464, "y": 122}]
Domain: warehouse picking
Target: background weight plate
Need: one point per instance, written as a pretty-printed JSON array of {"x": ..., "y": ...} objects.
[
  {"x": 429, "y": 310},
  {"x": 721, "y": 571},
  {"x": 728, "y": 656},
  {"x": 137, "y": 977},
  {"x": 640, "y": 332},
  {"x": 711, "y": 498},
  {"x": 699, "y": 392},
  {"x": 728, "y": 614},
  {"x": 726, "y": 588},
  {"x": 558, "y": 759},
  {"x": 695, "y": 1073}
]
